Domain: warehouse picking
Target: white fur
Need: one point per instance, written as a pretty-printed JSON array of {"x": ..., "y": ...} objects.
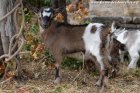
[
  {"x": 47, "y": 9},
  {"x": 92, "y": 42},
  {"x": 132, "y": 44},
  {"x": 46, "y": 12},
  {"x": 120, "y": 36},
  {"x": 134, "y": 51}
]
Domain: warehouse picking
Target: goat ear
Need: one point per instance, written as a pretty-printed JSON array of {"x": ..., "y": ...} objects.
[
  {"x": 113, "y": 27},
  {"x": 57, "y": 10},
  {"x": 38, "y": 13}
]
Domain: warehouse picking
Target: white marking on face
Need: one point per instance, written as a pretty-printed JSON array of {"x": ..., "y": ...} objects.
[
  {"x": 46, "y": 12},
  {"x": 92, "y": 42},
  {"x": 47, "y": 9}
]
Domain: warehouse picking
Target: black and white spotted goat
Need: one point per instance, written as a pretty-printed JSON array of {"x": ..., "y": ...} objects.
[{"x": 131, "y": 39}]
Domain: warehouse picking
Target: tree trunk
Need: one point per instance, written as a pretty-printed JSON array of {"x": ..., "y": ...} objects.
[
  {"x": 1, "y": 49},
  {"x": 7, "y": 28}
]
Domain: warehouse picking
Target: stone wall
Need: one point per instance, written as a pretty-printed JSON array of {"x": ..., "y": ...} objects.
[
  {"x": 124, "y": 11},
  {"x": 114, "y": 8}
]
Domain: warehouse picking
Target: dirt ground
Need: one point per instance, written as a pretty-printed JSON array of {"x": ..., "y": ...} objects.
[{"x": 73, "y": 81}]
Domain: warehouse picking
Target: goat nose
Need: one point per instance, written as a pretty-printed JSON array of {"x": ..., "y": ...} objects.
[{"x": 45, "y": 25}]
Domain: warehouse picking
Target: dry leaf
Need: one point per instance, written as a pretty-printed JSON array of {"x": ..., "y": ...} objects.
[
  {"x": 35, "y": 56},
  {"x": 70, "y": 8},
  {"x": 59, "y": 17}
]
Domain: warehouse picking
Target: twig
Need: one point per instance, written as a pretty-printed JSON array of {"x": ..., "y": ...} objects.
[
  {"x": 81, "y": 69},
  {"x": 31, "y": 86},
  {"x": 4, "y": 56},
  {"x": 25, "y": 52},
  {"x": 5, "y": 73},
  {"x": 14, "y": 46},
  {"x": 16, "y": 28},
  {"x": 17, "y": 65},
  {"x": 10, "y": 57},
  {"x": 1, "y": 83},
  {"x": 11, "y": 42},
  {"x": 15, "y": 20}
]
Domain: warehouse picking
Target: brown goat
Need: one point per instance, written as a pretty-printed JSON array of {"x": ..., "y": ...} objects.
[
  {"x": 63, "y": 39},
  {"x": 60, "y": 38}
]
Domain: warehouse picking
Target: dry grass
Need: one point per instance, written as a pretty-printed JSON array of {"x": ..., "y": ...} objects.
[{"x": 73, "y": 82}]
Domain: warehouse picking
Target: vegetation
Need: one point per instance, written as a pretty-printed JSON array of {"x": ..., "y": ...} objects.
[{"x": 39, "y": 3}]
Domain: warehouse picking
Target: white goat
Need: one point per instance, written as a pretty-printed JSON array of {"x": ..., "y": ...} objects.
[
  {"x": 131, "y": 39},
  {"x": 95, "y": 37}
]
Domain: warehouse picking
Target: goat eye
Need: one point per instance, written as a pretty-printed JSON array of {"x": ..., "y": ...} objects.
[
  {"x": 39, "y": 18},
  {"x": 45, "y": 11}
]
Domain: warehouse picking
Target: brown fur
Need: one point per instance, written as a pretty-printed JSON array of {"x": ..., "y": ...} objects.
[
  {"x": 93, "y": 30},
  {"x": 103, "y": 51},
  {"x": 114, "y": 51},
  {"x": 64, "y": 39}
]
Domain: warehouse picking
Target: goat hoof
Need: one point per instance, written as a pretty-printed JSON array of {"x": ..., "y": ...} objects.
[
  {"x": 113, "y": 74},
  {"x": 101, "y": 90},
  {"x": 105, "y": 81},
  {"x": 98, "y": 83},
  {"x": 57, "y": 80},
  {"x": 131, "y": 67}
]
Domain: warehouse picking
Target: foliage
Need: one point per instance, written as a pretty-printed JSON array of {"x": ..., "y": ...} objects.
[
  {"x": 49, "y": 56},
  {"x": 31, "y": 37},
  {"x": 72, "y": 63},
  {"x": 40, "y": 3},
  {"x": 28, "y": 15},
  {"x": 68, "y": 62}
]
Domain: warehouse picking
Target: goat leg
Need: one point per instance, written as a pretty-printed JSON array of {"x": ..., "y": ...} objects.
[
  {"x": 57, "y": 71},
  {"x": 57, "y": 76},
  {"x": 104, "y": 85},
  {"x": 99, "y": 82},
  {"x": 97, "y": 65}
]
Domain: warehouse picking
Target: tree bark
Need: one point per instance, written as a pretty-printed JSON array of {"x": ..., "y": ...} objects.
[
  {"x": 7, "y": 28},
  {"x": 1, "y": 49}
]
